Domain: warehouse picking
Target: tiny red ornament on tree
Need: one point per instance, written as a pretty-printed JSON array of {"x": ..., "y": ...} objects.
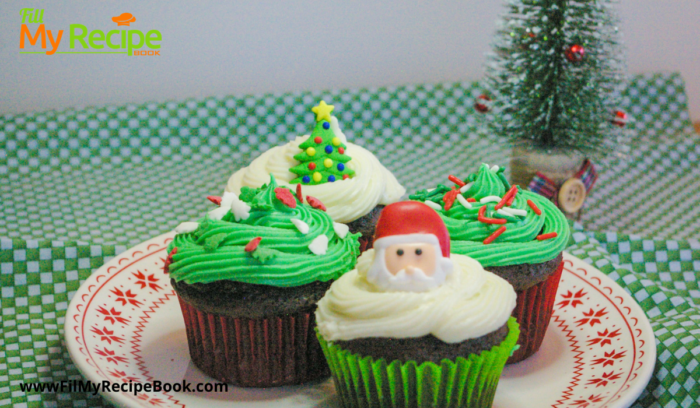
[
  {"x": 575, "y": 53},
  {"x": 619, "y": 118},
  {"x": 482, "y": 104}
]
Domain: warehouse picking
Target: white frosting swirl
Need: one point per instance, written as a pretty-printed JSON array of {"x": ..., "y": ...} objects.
[
  {"x": 345, "y": 200},
  {"x": 471, "y": 303}
]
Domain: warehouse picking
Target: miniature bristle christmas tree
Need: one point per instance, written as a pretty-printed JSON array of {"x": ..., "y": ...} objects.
[
  {"x": 555, "y": 75},
  {"x": 323, "y": 158}
]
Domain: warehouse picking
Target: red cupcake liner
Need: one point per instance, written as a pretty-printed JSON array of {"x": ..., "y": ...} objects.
[
  {"x": 266, "y": 352},
  {"x": 533, "y": 311}
]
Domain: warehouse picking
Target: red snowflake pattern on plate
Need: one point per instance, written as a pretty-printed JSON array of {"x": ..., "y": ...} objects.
[{"x": 608, "y": 344}]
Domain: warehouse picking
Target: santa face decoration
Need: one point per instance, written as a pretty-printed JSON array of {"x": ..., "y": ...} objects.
[{"x": 409, "y": 249}]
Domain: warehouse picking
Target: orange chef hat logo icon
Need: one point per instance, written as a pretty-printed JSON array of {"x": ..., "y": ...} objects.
[{"x": 125, "y": 19}]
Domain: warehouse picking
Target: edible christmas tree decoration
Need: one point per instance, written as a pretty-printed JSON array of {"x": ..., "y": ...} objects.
[
  {"x": 323, "y": 157},
  {"x": 575, "y": 53},
  {"x": 619, "y": 118}
]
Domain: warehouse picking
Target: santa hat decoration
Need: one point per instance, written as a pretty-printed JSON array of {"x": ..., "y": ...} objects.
[{"x": 411, "y": 218}]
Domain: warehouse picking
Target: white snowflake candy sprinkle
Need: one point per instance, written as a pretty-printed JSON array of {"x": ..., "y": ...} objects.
[
  {"x": 186, "y": 227},
  {"x": 301, "y": 225},
  {"x": 240, "y": 209},
  {"x": 319, "y": 245},
  {"x": 341, "y": 230},
  {"x": 435, "y": 206},
  {"x": 463, "y": 201}
]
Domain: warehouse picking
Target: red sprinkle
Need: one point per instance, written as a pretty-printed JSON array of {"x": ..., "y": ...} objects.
[
  {"x": 169, "y": 260},
  {"x": 286, "y": 197},
  {"x": 253, "y": 244},
  {"x": 507, "y": 197},
  {"x": 456, "y": 180},
  {"x": 481, "y": 217},
  {"x": 534, "y": 207},
  {"x": 299, "y": 196},
  {"x": 471, "y": 199},
  {"x": 546, "y": 236},
  {"x": 495, "y": 235},
  {"x": 315, "y": 203},
  {"x": 214, "y": 199},
  {"x": 449, "y": 198}
]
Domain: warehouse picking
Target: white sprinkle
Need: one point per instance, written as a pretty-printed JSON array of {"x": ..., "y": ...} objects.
[
  {"x": 466, "y": 187},
  {"x": 240, "y": 210},
  {"x": 430, "y": 189},
  {"x": 490, "y": 199},
  {"x": 435, "y": 206},
  {"x": 463, "y": 201},
  {"x": 301, "y": 225},
  {"x": 319, "y": 245},
  {"x": 495, "y": 168},
  {"x": 186, "y": 227},
  {"x": 514, "y": 211},
  {"x": 504, "y": 213},
  {"x": 341, "y": 230}
]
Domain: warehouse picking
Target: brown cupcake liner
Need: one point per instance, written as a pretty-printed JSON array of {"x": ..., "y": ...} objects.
[
  {"x": 533, "y": 311},
  {"x": 266, "y": 352}
]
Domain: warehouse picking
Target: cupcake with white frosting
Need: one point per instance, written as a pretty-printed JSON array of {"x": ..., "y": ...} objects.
[
  {"x": 412, "y": 313},
  {"x": 348, "y": 179}
]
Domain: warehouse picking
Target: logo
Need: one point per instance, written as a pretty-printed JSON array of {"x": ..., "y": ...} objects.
[{"x": 82, "y": 40}]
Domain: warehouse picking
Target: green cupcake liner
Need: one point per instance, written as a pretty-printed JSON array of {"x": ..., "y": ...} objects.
[{"x": 466, "y": 382}]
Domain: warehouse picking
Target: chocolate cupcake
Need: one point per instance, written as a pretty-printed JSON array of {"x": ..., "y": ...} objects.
[
  {"x": 347, "y": 178},
  {"x": 516, "y": 234},
  {"x": 414, "y": 325},
  {"x": 248, "y": 277}
]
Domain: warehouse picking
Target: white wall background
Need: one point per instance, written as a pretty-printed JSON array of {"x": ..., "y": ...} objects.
[{"x": 256, "y": 46}]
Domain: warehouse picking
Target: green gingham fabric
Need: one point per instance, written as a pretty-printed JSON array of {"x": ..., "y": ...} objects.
[{"x": 80, "y": 186}]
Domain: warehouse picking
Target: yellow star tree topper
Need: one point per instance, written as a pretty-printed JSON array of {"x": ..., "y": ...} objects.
[{"x": 323, "y": 111}]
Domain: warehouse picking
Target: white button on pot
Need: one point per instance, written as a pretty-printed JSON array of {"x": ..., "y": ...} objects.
[{"x": 572, "y": 194}]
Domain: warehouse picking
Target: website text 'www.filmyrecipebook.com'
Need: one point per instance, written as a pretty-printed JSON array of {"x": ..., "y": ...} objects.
[{"x": 130, "y": 387}]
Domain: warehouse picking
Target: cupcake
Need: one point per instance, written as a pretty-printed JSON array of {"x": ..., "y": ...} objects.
[
  {"x": 347, "y": 178},
  {"x": 516, "y": 234},
  {"x": 414, "y": 325},
  {"x": 248, "y": 276}
]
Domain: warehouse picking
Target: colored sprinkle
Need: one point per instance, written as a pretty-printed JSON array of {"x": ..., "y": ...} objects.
[
  {"x": 331, "y": 178},
  {"x": 490, "y": 199},
  {"x": 312, "y": 166},
  {"x": 336, "y": 141},
  {"x": 471, "y": 199},
  {"x": 495, "y": 235},
  {"x": 318, "y": 139},
  {"x": 341, "y": 150},
  {"x": 435, "y": 206},
  {"x": 306, "y": 179},
  {"x": 546, "y": 236},
  {"x": 534, "y": 207},
  {"x": 466, "y": 187},
  {"x": 286, "y": 197},
  {"x": 329, "y": 149},
  {"x": 328, "y": 163},
  {"x": 315, "y": 203},
  {"x": 326, "y": 125},
  {"x": 299, "y": 196},
  {"x": 456, "y": 180},
  {"x": 510, "y": 200},
  {"x": 482, "y": 217},
  {"x": 253, "y": 244},
  {"x": 506, "y": 197},
  {"x": 341, "y": 166},
  {"x": 449, "y": 198},
  {"x": 214, "y": 199},
  {"x": 345, "y": 176},
  {"x": 311, "y": 151},
  {"x": 463, "y": 201}
]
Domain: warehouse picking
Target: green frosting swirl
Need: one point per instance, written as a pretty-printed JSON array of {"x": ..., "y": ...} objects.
[
  {"x": 518, "y": 244},
  {"x": 215, "y": 250}
]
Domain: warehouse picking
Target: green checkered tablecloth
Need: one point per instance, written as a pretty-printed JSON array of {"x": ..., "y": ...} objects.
[{"x": 80, "y": 186}]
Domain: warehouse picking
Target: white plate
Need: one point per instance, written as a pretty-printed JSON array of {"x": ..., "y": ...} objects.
[{"x": 124, "y": 324}]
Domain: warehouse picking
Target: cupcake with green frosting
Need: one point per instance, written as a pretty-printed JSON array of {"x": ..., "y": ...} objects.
[
  {"x": 516, "y": 234},
  {"x": 248, "y": 276},
  {"x": 415, "y": 325}
]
